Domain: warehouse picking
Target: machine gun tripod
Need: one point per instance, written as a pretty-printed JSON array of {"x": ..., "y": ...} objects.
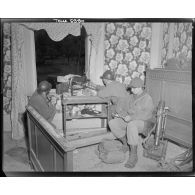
[{"x": 155, "y": 146}]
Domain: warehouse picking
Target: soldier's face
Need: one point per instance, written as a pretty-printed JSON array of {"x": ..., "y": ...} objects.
[{"x": 45, "y": 94}]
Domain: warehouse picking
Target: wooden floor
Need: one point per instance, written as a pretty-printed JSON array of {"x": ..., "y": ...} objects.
[{"x": 85, "y": 159}]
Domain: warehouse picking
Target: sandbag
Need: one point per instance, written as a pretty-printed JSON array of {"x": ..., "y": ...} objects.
[{"x": 110, "y": 151}]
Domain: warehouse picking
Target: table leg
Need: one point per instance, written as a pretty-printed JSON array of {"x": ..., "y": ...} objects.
[
  {"x": 64, "y": 120},
  {"x": 68, "y": 161}
]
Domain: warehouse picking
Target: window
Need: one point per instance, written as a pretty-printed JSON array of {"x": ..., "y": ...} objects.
[{"x": 59, "y": 58}]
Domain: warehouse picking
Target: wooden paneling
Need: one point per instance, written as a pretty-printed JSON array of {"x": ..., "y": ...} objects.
[
  {"x": 175, "y": 88},
  {"x": 154, "y": 89},
  {"x": 178, "y": 97},
  {"x": 45, "y": 152},
  {"x": 32, "y": 136},
  {"x": 179, "y": 129},
  {"x": 59, "y": 162}
]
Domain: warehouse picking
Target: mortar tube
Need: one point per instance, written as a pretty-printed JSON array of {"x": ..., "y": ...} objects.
[{"x": 159, "y": 122}]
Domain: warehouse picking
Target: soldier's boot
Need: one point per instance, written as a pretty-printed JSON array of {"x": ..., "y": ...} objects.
[
  {"x": 125, "y": 147},
  {"x": 131, "y": 162}
]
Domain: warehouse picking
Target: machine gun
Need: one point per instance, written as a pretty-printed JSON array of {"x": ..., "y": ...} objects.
[
  {"x": 155, "y": 146},
  {"x": 78, "y": 82}
]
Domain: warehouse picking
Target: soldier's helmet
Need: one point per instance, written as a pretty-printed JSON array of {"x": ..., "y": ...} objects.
[
  {"x": 44, "y": 86},
  {"x": 136, "y": 83},
  {"x": 108, "y": 74}
]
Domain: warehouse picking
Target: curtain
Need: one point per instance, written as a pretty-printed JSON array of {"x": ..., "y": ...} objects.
[
  {"x": 95, "y": 57},
  {"x": 7, "y": 69},
  {"x": 95, "y": 33},
  {"x": 94, "y": 30},
  {"x": 19, "y": 100},
  {"x": 56, "y": 31},
  {"x": 30, "y": 62}
]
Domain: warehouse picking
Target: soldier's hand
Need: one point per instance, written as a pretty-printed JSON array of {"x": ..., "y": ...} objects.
[
  {"x": 127, "y": 118},
  {"x": 53, "y": 100}
]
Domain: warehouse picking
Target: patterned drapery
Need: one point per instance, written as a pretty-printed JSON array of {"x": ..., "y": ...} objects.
[
  {"x": 7, "y": 93},
  {"x": 165, "y": 43},
  {"x": 127, "y": 49},
  {"x": 19, "y": 99},
  {"x": 181, "y": 41}
]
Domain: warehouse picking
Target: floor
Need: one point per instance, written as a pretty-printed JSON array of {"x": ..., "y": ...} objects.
[
  {"x": 94, "y": 164},
  {"x": 15, "y": 156},
  {"x": 16, "y": 159}
]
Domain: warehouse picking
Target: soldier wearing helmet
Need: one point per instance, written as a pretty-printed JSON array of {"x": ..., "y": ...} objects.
[
  {"x": 111, "y": 87},
  {"x": 127, "y": 127},
  {"x": 40, "y": 101}
]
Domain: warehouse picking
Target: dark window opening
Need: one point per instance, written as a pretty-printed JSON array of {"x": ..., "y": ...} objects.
[{"x": 59, "y": 58}]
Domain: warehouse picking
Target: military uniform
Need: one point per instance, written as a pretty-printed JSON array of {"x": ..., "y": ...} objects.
[
  {"x": 140, "y": 109},
  {"x": 114, "y": 91},
  {"x": 40, "y": 104}
]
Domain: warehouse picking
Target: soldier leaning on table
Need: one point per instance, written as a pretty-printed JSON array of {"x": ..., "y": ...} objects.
[
  {"x": 112, "y": 90},
  {"x": 41, "y": 103}
]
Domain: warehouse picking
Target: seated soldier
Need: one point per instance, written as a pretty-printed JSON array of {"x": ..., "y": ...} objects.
[
  {"x": 41, "y": 103},
  {"x": 127, "y": 126}
]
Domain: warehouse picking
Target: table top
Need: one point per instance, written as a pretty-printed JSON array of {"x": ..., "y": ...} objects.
[{"x": 84, "y": 100}]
